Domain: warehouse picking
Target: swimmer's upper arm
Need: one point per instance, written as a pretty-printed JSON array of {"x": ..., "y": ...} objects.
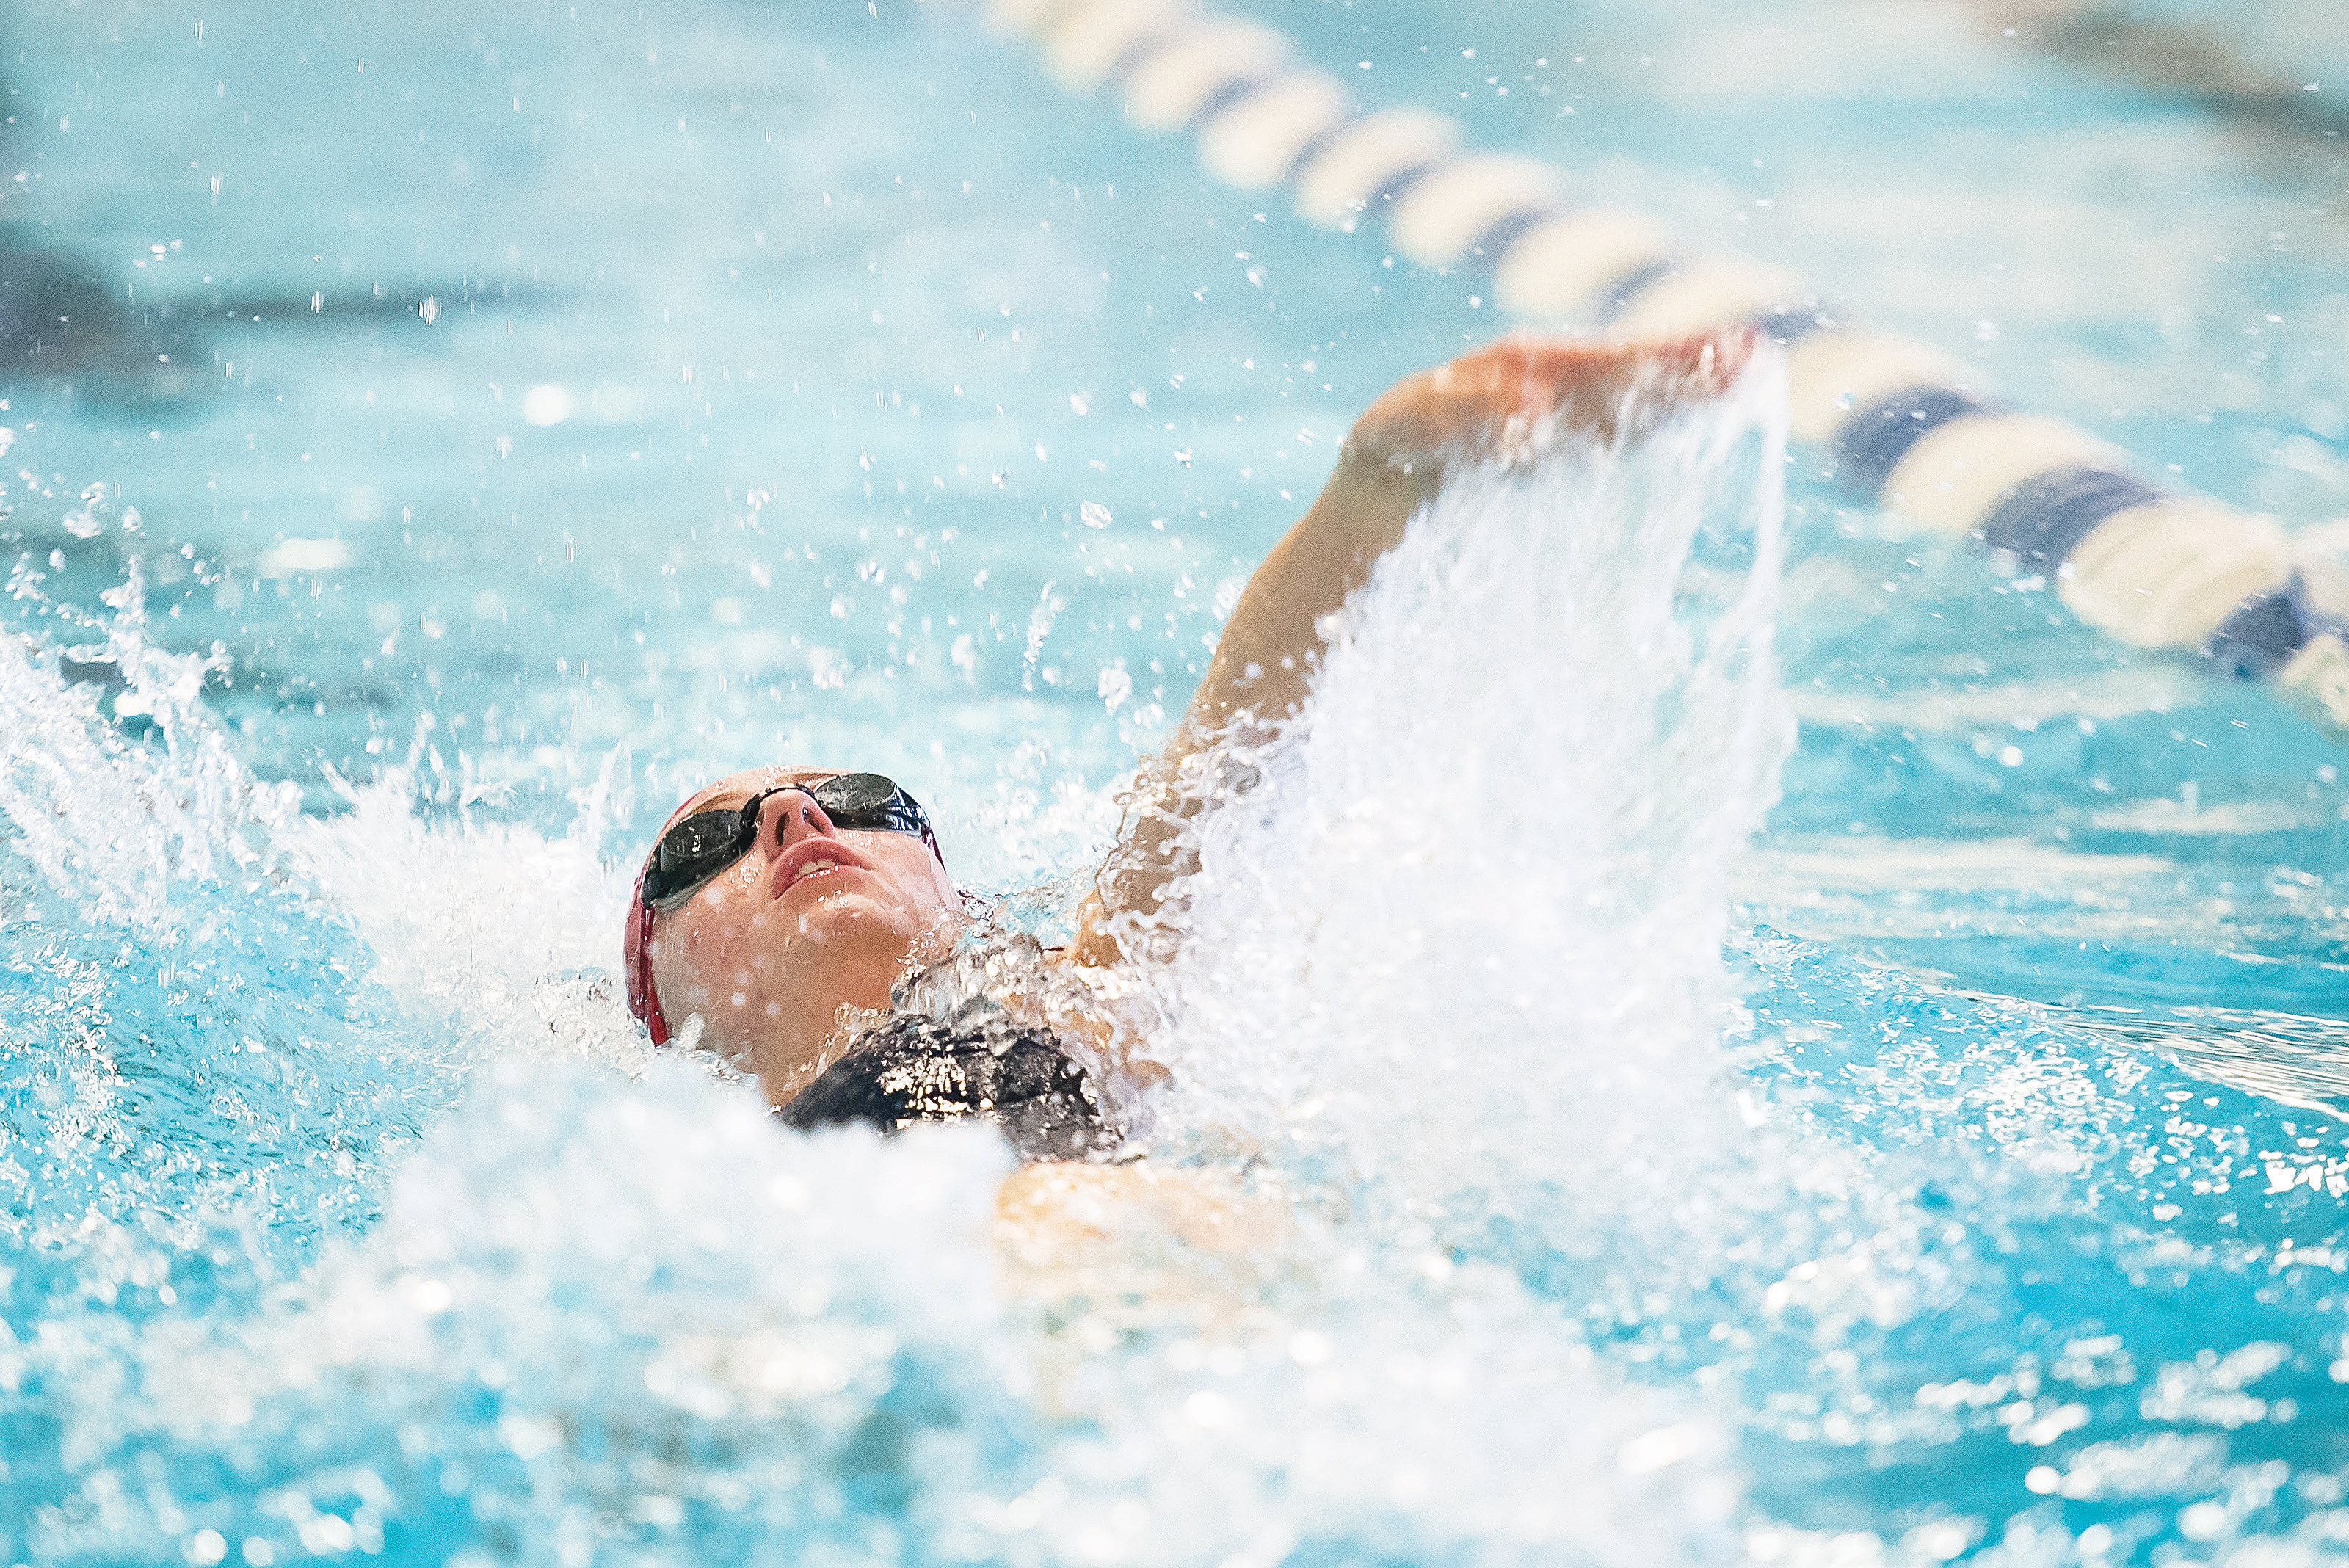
[
  {"x": 1264, "y": 662},
  {"x": 1273, "y": 640},
  {"x": 1503, "y": 402}
]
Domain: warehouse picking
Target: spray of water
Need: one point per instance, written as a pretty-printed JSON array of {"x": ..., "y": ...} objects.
[
  {"x": 436, "y": 903},
  {"x": 1463, "y": 943},
  {"x": 98, "y": 819},
  {"x": 578, "y": 1313},
  {"x": 329, "y": 1225}
]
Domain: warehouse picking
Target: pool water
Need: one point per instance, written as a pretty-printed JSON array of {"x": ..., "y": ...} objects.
[{"x": 496, "y": 425}]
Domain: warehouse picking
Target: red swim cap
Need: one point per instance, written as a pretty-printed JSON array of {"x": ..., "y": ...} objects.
[{"x": 636, "y": 944}]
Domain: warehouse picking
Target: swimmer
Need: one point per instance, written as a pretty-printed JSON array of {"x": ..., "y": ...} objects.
[{"x": 801, "y": 923}]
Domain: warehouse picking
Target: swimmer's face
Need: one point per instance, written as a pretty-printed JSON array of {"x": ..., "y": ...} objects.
[{"x": 813, "y": 918}]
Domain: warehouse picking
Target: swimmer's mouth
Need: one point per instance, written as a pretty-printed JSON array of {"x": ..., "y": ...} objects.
[{"x": 814, "y": 858}]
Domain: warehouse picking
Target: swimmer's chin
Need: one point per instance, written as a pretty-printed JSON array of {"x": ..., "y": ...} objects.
[{"x": 823, "y": 914}]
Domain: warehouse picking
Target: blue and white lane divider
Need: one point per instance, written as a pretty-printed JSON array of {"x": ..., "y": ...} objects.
[{"x": 1910, "y": 427}]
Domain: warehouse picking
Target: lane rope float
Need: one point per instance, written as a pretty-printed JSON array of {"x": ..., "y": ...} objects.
[{"x": 1908, "y": 426}]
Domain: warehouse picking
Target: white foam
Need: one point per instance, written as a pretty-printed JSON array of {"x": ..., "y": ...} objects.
[
  {"x": 1459, "y": 1424},
  {"x": 497, "y": 934},
  {"x": 637, "y": 1262},
  {"x": 109, "y": 824}
]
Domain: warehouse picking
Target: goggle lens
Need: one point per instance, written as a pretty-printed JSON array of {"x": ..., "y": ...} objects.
[{"x": 708, "y": 842}]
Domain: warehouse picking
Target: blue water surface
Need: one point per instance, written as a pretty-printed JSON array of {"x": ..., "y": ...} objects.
[{"x": 501, "y": 422}]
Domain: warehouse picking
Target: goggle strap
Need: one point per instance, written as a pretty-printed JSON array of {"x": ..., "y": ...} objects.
[{"x": 644, "y": 999}]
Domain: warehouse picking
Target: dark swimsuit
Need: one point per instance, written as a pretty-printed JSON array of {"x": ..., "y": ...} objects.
[{"x": 920, "y": 1069}]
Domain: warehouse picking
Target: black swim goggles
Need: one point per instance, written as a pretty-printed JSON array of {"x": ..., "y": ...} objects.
[{"x": 708, "y": 842}]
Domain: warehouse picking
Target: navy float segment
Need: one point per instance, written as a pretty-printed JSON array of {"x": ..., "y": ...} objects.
[
  {"x": 1495, "y": 241},
  {"x": 2265, "y": 633},
  {"x": 1226, "y": 95},
  {"x": 1456, "y": 202},
  {"x": 1871, "y": 443},
  {"x": 1564, "y": 268},
  {"x": 1911, "y": 427},
  {"x": 1608, "y": 305},
  {"x": 1399, "y": 184},
  {"x": 1835, "y": 372},
  {"x": 1365, "y": 158},
  {"x": 1186, "y": 76},
  {"x": 1086, "y": 44},
  {"x": 2041, "y": 520},
  {"x": 1786, "y": 326},
  {"x": 1704, "y": 294},
  {"x": 1262, "y": 140},
  {"x": 1955, "y": 476}
]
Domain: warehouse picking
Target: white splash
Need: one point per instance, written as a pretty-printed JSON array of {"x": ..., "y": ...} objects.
[
  {"x": 1463, "y": 946},
  {"x": 108, "y": 822},
  {"x": 497, "y": 934}
]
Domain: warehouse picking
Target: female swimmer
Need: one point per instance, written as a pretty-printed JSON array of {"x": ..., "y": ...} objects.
[{"x": 781, "y": 907}]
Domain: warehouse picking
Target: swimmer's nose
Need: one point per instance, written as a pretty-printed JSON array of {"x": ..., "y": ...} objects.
[{"x": 787, "y": 816}]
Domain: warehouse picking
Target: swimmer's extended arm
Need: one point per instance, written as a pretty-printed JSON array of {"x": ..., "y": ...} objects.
[{"x": 1505, "y": 402}]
